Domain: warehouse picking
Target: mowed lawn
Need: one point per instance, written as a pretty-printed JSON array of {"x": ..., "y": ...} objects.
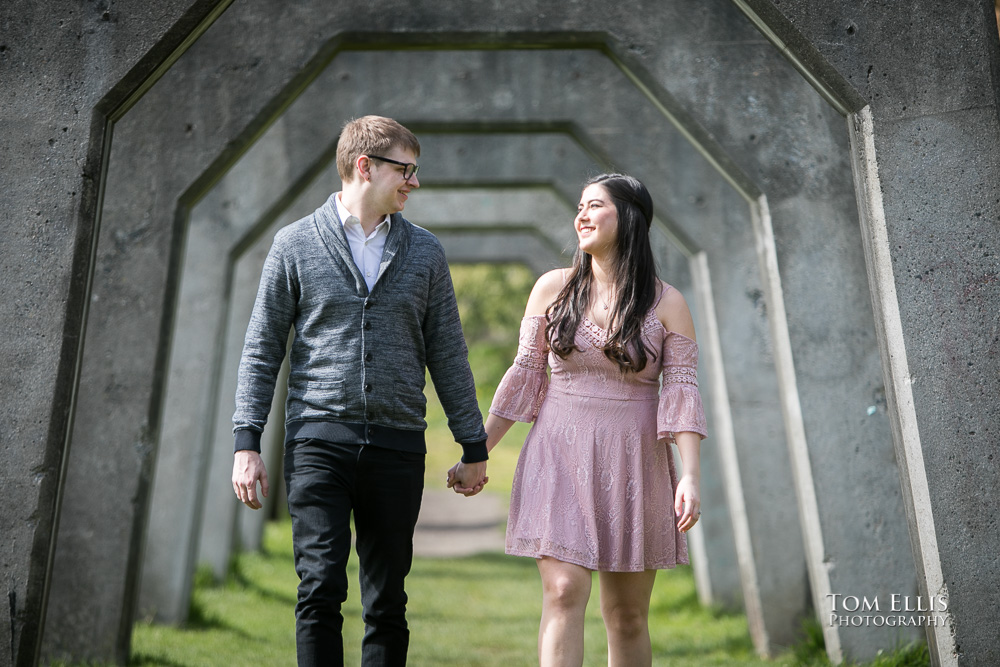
[
  {"x": 475, "y": 611},
  {"x": 480, "y": 610}
]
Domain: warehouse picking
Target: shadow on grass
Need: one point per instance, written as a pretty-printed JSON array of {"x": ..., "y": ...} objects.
[
  {"x": 146, "y": 660},
  {"x": 200, "y": 620},
  {"x": 238, "y": 579}
]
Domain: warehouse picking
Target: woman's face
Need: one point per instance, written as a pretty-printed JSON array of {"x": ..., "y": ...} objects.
[{"x": 596, "y": 221}]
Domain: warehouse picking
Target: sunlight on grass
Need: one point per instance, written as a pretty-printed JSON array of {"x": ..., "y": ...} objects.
[
  {"x": 481, "y": 610},
  {"x": 478, "y": 611}
]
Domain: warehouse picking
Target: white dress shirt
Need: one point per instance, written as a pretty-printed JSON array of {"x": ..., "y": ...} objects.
[{"x": 366, "y": 250}]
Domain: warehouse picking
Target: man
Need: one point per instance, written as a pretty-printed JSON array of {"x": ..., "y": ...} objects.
[{"x": 372, "y": 305}]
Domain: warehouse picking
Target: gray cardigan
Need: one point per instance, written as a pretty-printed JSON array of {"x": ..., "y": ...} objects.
[{"x": 357, "y": 360}]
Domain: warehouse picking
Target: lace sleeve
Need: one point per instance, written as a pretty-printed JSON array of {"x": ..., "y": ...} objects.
[
  {"x": 680, "y": 407},
  {"x": 523, "y": 387}
]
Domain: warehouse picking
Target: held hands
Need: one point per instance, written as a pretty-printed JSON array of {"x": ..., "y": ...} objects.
[
  {"x": 467, "y": 478},
  {"x": 687, "y": 503},
  {"x": 248, "y": 469}
]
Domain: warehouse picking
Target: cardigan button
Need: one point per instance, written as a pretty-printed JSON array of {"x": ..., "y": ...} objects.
[
  {"x": 368, "y": 387},
  {"x": 368, "y": 325},
  {"x": 368, "y": 357}
]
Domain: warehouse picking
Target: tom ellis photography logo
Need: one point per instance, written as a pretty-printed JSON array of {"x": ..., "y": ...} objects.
[{"x": 895, "y": 611}]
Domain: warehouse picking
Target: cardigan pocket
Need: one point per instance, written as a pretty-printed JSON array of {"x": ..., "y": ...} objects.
[{"x": 324, "y": 396}]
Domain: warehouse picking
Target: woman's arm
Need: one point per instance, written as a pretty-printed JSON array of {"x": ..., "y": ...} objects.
[
  {"x": 687, "y": 499},
  {"x": 544, "y": 292},
  {"x": 674, "y": 314}
]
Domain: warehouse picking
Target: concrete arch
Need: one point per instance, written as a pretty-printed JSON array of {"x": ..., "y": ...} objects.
[
  {"x": 701, "y": 56},
  {"x": 782, "y": 611},
  {"x": 224, "y": 210},
  {"x": 550, "y": 170},
  {"x": 783, "y": 607}
]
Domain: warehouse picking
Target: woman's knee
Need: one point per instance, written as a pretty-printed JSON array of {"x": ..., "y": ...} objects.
[
  {"x": 565, "y": 592},
  {"x": 567, "y": 589},
  {"x": 625, "y": 620}
]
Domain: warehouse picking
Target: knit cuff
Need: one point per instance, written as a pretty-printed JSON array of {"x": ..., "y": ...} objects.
[
  {"x": 247, "y": 439},
  {"x": 474, "y": 452}
]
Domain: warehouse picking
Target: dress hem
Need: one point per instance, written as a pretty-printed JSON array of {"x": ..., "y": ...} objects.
[{"x": 590, "y": 566}]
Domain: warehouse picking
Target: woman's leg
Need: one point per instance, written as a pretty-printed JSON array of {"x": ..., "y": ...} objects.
[
  {"x": 625, "y": 608},
  {"x": 565, "y": 591}
]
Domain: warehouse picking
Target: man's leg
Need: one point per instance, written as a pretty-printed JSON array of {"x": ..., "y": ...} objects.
[
  {"x": 319, "y": 476},
  {"x": 388, "y": 492}
]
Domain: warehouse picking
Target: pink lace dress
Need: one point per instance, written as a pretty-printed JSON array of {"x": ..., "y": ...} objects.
[{"x": 595, "y": 480}]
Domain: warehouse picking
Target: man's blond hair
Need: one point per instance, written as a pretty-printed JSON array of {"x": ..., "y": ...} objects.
[{"x": 371, "y": 135}]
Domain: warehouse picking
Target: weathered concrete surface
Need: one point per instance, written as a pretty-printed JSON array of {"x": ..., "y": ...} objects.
[
  {"x": 930, "y": 79},
  {"x": 931, "y": 91},
  {"x": 64, "y": 68}
]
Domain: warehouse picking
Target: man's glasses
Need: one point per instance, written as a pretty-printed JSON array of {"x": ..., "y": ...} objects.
[{"x": 409, "y": 169}]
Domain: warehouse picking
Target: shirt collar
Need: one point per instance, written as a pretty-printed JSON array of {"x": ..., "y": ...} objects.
[{"x": 345, "y": 215}]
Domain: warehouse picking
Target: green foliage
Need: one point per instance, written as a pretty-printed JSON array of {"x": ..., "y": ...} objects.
[
  {"x": 914, "y": 655},
  {"x": 811, "y": 650},
  {"x": 491, "y": 300}
]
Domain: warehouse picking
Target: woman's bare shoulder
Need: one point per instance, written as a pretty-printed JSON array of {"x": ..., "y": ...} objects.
[
  {"x": 673, "y": 311},
  {"x": 545, "y": 291}
]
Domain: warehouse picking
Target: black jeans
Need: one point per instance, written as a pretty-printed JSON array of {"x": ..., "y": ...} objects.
[{"x": 327, "y": 481}]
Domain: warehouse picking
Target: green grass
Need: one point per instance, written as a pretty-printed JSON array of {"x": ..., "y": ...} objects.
[{"x": 479, "y": 611}]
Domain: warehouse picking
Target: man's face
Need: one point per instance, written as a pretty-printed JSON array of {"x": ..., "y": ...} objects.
[{"x": 389, "y": 190}]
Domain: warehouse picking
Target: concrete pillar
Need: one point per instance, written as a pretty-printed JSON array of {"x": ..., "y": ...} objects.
[
  {"x": 178, "y": 493},
  {"x": 757, "y": 473},
  {"x": 50, "y": 146},
  {"x": 922, "y": 95},
  {"x": 221, "y": 512}
]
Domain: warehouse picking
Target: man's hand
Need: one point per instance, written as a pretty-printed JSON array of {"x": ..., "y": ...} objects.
[
  {"x": 468, "y": 478},
  {"x": 248, "y": 469}
]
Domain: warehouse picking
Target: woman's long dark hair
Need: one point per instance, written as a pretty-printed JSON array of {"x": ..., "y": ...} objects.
[{"x": 633, "y": 278}]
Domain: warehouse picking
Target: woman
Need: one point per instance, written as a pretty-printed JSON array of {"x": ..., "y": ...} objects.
[{"x": 595, "y": 482}]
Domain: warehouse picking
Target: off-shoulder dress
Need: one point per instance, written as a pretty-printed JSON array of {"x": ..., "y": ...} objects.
[{"x": 595, "y": 480}]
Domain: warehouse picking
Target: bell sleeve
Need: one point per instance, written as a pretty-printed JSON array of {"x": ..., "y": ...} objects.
[
  {"x": 523, "y": 386},
  {"x": 680, "y": 407}
]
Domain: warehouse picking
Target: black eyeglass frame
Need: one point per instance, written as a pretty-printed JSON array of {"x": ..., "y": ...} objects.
[{"x": 409, "y": 169}]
